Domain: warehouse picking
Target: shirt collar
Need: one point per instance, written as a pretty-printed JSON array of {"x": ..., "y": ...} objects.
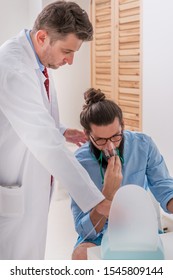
[{"x": 41, "y": 66}]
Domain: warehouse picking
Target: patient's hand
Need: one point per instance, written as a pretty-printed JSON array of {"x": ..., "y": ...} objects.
[{"x": 113, "y": 177}]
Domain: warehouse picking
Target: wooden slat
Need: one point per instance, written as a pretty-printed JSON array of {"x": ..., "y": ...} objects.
[
  {"x": 125, "y": 1},
  {"x": 105, "y": 11},
  {"x": 129, "y": 78},
  {"x": 105, "y": 5},
  {"x": 131, "y": 116},
  {"x": 128, "y": 90},
  {"x": 103, "y": 36},
  {"x": 103, "y": 30},
  {"x": 103, "y": 71},
  {"x": 129, "y": 32},
  {"x": 129, "y": 103},
  {"x": 132, "y": 58},
  {"x": 103, "y": 18},
  {"x": 126, "y": 46},
  {"x": 105, "y": 54},
  {"x": 104, "y": 87},
  {"x": 131, "y": 123},
  {"x": 129, "y": 84},
  {"x": 103, "y": 65},
  {"x": 103, "y": 42},
  {"x": 101, "y": 2},
  {"x": 129, "y": 19},
  {"x": 103, "y": 78},
  {"x": 127, "y": 6},
  {"x": 103, "y": 59},
  {"x": 129, "y": 52},
  {"x": 131, "y": 97},
  {"x": 105, "y": 47},
  {"x": 129, "y": 109},
  {"x": 101, "y": 24},
  {"x": 128, "y": 13},
  {"x": 129, "y": 65},
  {"x": 129, "y": 39},
  {"x": 131, "y": 71},
  {"x": 129, "y": 25}
]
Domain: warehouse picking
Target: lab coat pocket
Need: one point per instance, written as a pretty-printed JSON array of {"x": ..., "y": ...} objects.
[{"x": 11, "y": 201}]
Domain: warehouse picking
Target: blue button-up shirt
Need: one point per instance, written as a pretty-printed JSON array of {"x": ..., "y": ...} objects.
[{"x": 143, "y": 165}]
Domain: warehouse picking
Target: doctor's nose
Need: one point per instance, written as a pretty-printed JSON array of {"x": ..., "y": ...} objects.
[{"x": 69, "y": 58}]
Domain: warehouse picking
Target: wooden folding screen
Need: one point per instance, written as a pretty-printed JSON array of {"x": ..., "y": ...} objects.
[{"x": 116, "y": 55}]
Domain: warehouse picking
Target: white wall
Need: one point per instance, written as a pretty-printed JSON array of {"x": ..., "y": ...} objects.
[
  {"x": 158, "y": 75},
  {"x": 34, "y": 8},
  {"x": 16, "y": 15},
  {"x": 13, "y": 17}
]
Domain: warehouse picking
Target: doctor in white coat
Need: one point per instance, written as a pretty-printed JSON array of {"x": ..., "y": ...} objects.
[{"x": 32, "y": 142}]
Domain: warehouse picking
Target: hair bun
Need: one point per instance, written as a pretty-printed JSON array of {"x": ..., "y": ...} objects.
[{"x": 92, "y": 96}]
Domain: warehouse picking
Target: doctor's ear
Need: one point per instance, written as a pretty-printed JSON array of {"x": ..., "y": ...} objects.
[{"x": 42, "y": 37}]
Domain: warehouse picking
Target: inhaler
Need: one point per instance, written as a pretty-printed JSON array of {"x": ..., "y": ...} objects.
[{"x": 110, "y": 153}]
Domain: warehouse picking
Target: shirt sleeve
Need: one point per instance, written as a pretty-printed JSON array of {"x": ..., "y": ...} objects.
[
  {"x": 159, "y": 180},
  {"x": 85, "y": 228},
  {"x": 83, "y": 224}
]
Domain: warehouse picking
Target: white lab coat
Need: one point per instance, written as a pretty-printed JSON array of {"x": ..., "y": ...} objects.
[{"x": 31, "y": 149}]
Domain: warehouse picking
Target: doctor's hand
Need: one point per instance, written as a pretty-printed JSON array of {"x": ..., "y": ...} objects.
[
  {"x": 75, "y": 136},
  {"x": 113, "y": 177}
]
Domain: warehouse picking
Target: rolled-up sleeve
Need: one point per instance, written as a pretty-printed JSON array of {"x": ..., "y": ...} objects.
[
  {"x": 159, "y": 180},
  {"x": 85, "y": 228}
]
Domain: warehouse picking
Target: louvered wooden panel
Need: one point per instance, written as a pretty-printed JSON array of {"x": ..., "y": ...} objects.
[
  {"x": 129, "y": 68},
  {"x": 116, "y": 56},
  {"x": 101, "y": 47}
]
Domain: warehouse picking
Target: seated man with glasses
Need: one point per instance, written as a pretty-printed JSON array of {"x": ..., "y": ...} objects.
[{"x": 115, "y": 157}]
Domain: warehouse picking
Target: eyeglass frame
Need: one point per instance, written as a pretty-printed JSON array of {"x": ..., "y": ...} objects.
[{"x": 106, "y": 139}]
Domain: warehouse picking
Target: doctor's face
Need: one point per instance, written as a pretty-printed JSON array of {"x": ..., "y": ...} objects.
[{"x": 56, "y": 54}]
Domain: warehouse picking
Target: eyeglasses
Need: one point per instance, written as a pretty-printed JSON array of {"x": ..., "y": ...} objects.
[{"x": 103, "y": 141}]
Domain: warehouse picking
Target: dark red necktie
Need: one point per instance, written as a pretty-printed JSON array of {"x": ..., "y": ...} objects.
[{"x": 46, "y": 82}]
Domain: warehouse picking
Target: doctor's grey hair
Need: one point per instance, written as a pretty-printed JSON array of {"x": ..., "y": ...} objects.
[{"x": 61, "y": 18}]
